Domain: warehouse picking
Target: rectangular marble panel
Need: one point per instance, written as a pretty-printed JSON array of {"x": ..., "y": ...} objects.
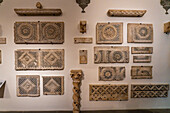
[
  {"x": 142, "y": 50},
  {"x": 28, "y": 85},
  {"x": 111, "y": 54},
  {"x": 83, "y": 40},
  {"x": 111, "y": 73},
  {"x": 108, "y": 92},
  {"x": 39, "y": 32},
  {"x": 149, "y": 90},
  {"x": 141, "y": 72},
  {"x": 83, "y": 56},
  {"x": 109, "y": 33},
  {"x": 0, "y": 57},
  {"x": 141, "y": 59},
  {"x": 53, "y": 85},
  {"x": 2, "y": 40},
  {"x": 140, "y": 33}
]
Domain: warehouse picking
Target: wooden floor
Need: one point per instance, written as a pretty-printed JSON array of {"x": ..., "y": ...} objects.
[{"x": 123, "y": 111}]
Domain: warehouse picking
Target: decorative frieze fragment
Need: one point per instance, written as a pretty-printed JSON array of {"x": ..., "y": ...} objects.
[
  {"x": 111, "y": 54},
  {"x": 53, "y": 85},
  {"x": 2, "y": 40},
  {"x": 108, "y": 92},
  {"x": 77, "y": 76},
  {"x": 142, "y": 50},
  {"x": 34, "y": 59},
  {"x": 109, "y": 33},
  {"x": 28, "y": 85},
  {"x": 38, "y": 12},
  {"x": 141, "y": 59},
  {"x": 83, "y": 56},
  {"x": 83, "y": 40},
  {"x": 167, "y": 27},
  {"x": 111, "y": 73},
  {"x": 149, "y": 90},
  {"x": 125, "y": 13},
  {"x": 141, "y": 72},
  {"x": 39, "y": 32},
  {"x": 140, "y": 33},
  {"x": 83, "y": 26}
]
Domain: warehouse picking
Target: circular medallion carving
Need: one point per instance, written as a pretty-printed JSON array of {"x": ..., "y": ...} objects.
[
  {"x": 108, "y": 73},
  {"x": 117, "y": 55},
  {"x": 143, "y": 31},
  {"x": 25, "y": 30},
  {"x": 109, "y": 32}
]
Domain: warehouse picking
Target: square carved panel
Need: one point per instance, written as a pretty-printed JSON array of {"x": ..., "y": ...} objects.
[
  {"x": 108, "y": 92},
  {"x": 28, "y": 85},
  {"x": 109, "y": 54},
  {"x": 83, "y": 56},
  {"x": 149, "y": 90},
  {"x": 34, "y": 59},
  {"x": 140, "y": 33},
  {"x": 141, "y": 59},
  {"x": 141, "y": 72},
  {"x": 109, "y": 33},
  {"x": 39, "y": 32},
  {"x": 111, "y": 73},
  {"x": 142, "y": 50},
  {"x": 53, "y": 85}
]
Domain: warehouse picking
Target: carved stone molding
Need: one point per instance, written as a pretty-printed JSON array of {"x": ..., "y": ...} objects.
[
  {"x": 77, "y": 76},
  {"x": 149, "y": 90},
  {"x": 83, "y": 40},
  {"x": 2, "y": 40},
  {"x": 167, "y": 27},
  {"x": 142, "y": 50},
  {"x": 83, "y": 26},
  {"x": 83, "y": 56},
  {"x": 126, "y": 13},
  {"x": 107, "y": 92},
  {"x": 142, "y": 59},
  {"x": 38, "y": 12},
  {"x": 166, "y": 5}
]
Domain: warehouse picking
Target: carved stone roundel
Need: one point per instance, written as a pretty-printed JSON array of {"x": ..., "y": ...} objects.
[
  {"x": 143, "y": 32},
  {"x": 51, "y": 31},
  {"x": 108, "y": 73},
  {"x": 25, "y": 30},
  {"x": 117, "y": 56},
  {"x": 109, "y": 32}
]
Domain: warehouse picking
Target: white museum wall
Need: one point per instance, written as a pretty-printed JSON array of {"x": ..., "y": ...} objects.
[{"x": 95, "y": 12}]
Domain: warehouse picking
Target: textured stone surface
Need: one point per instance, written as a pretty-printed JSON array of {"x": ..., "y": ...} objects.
[
  {"x": 83, "y": 26},
  {"x": 83, "y": 56},
  {"x": 53, "y": 85},
  {"x": 109, "y": 54},
  {"x": 140, "y": 33},
  {"x": 109, "y": 33},
  {"x": 167, "y": 27},
  {"x": 28, "y": 85},
  {"x": 39, "y": 32},
  {"x": 141, "y": 72},
  {"x": 111, "y": 73},
  {"x": 34, "y": 59},
  {"x": 2, "y": 40},
  {"x": 108, "y": 92},
  {"x": 83, "y": 40},
  {"x": 141, "y": 59},
  {"x": 149, "y": 90},
  {"x": 142, "y": 50}
]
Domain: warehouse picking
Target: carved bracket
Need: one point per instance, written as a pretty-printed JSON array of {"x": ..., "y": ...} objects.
[
  {"x": 166, "y": 5},
  {"x": 83, "y": 4},
  {"x": 167, "y": 27},
  {"x": 77, "y": 76},
  {"x": 83, "y": 26}
]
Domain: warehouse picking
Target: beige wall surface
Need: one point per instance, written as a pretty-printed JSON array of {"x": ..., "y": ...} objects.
[{"x": 95, "y": 12}]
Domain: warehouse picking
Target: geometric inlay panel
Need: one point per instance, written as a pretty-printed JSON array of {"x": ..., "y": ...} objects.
[
  {"x": 141, "y": 59},
  {"x": 140, "y": 33},
  {"x": 34, "y": 59},
  {"x": 28, "y": 85},
  {"x": 111, "y": 73},
  {"x": 149, "y": 90},
  {"x": 109, "y": 54},
  {"x": 109, "y": 33},
  {"x": 108, "y": 92},
  {"x": 39, "y": 32},
  {"x": 53, "y": 85},
  {"x": 141, "y": 72},
  {"x": 142, "y": 50}
]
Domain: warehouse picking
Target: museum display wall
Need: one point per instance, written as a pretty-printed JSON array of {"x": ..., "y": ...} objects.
[{"x": 85, "y": 59}]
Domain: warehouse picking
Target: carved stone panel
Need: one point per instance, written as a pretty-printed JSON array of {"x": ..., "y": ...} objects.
[
  {"x": 108, "y": 92},
  {"x": 28, "y": 85},
  {"x": 39, "y": 32},
  {"x": 167, "y": 27},
  {"x": 2, "y": 40},
  {"x": 83, "y": 26},
  {"x": 141, "y": 72},
  {"x": 34, "y": 59},
  {"x": 0, "y": 57},
  {"x": 149, "y": 90},
  {"x": 109, "y": 33},
  {"x": 141, "y": 59},
  {"x": 83, "y": 40},
  {"x": 83, "y": 56},
  {"x": 52, "y": 59},
  {"x": 140, "y": 33},
  {"x": 142, "y": 50},
  {"x": 53, "y": 85},
  {"x": 109, "y": 54},
  {"x": 111, "y": 73}
]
